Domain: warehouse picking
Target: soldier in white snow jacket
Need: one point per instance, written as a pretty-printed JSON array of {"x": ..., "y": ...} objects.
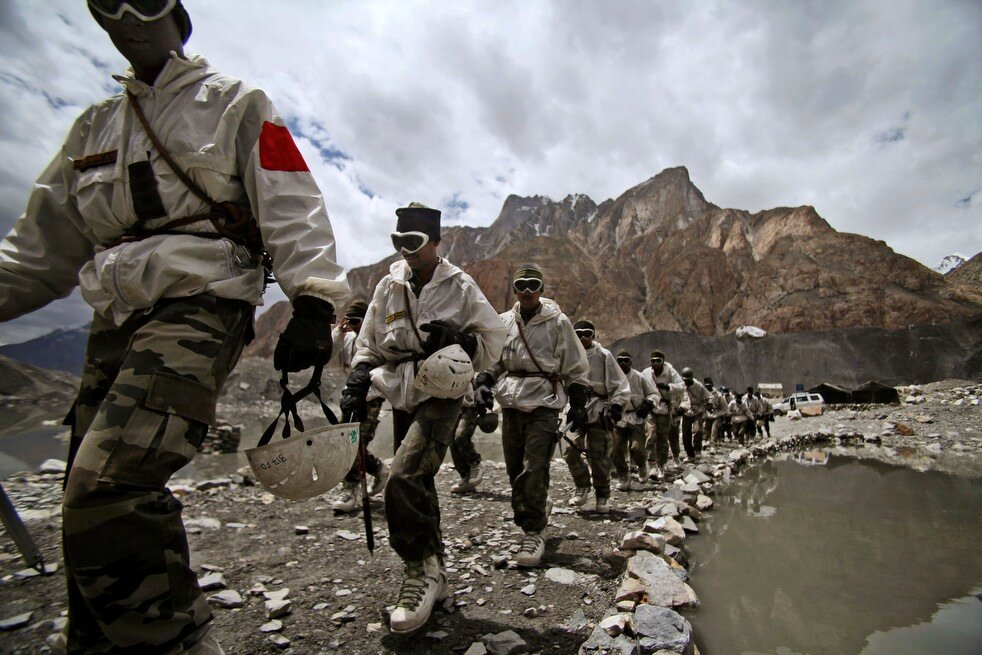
[
  {"x": 663, "y": 432},
  {"x": 630, "y": 433},
  {"x": 170, "y": 257},
  {"x": 424, "y": 304},
  {"x": 542, "y": 365},
  {"x": 609, "y": 394}
]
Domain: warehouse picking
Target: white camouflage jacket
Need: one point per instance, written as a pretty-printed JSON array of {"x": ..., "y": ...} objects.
[
  {"x": 607, "y": 381},
  {"x": 388, "y": 342},
  {"x": 676, "y": 388},
  {"x": 556, "y": 349},
  {"x": 229, "y": 139},
  {"x": 641, "y": 389}
]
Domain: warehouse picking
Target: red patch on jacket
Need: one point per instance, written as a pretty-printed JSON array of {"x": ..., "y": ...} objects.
[{"x": 277, "y": 151}]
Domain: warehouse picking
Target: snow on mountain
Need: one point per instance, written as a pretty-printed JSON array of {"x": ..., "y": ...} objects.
[{"x": 950, "y": 263}]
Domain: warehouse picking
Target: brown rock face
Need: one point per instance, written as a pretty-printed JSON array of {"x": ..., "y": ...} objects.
[{"x": 661, "y": 257}]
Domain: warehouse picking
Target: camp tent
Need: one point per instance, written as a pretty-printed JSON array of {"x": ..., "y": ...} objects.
[
  {"x": 875, "y": 392},
  {"x": 771, "y": 390},
  {"x": 831, "y": 393}
]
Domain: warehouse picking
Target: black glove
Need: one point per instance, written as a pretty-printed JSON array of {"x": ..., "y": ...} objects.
[
  {"x": 483, "y": 398},
  {"x": 441, "y": 334},
  {"x": 615, "y": 412},
  {"x": 663, "y": 387},
  {"x": 679, "y": 411},
  {"x": 354, "y": 397},
  {"x": 307, "y": 340},
  {"x": 577, "y": 415},
  {"x": 645, "y": 408}
]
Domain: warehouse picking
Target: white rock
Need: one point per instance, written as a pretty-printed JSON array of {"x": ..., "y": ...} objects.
[
  {"x": 563, "y": 576},
  {"x": 53, "y": 466}
]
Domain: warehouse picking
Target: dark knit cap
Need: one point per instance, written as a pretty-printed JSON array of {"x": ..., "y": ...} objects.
[
  {"x": 584, "y": 324},
  {"x": 624, "y": 352},
  {"x": 527, "y": 272},
  {"x": 417, "y": 217},
  {"x": 357, "y": 309},
  {"x": 657, "y": 353}
]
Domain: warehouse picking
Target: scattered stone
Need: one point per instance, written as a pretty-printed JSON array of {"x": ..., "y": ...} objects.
[
  {"x": 15, "y": 622},
  {"x": 923, "y": 418},
  {"x": 903, "y": 429},
  {"x": 301, "y": 529},
  {"x": 279, "y": 641},
  {"x": 618, "y": 624},
  {"x": 579, "y": 621},
  {"x": 347, "y": 535},
  {"x": 689, "y": 525},
  {"x": 631, "y": 589},
  {"x": 601, "y": 642},
  {"x": 662, "y": 586},
  {"x": 704, "y": 502},
  {"x": 211, "y": 582},
  {"x": 639, "y": 540},
  {"x": 53, "y": 466},
  {"x": 216, "y": 483},
  {"x": 277, "y": 608},
  {"x": 531, "y": 612},
  {"x": 438, "y": 635},
  {"x": 476, "y": 648},
  {"x": 271, "y": 626},
  {"x": 528, "y": 589},
  {"x": 562, "y": 576},
  {"x": 662, "y": 629},
  {"x": 626, "y": 606},
  {"x": 228, "y": 599},
  {"x": 504, "y": 643},
  {"x": 279, "y": 594}
]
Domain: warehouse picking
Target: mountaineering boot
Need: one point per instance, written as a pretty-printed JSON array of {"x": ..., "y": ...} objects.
[
  {"x": 580, "y": 497},
  {"x": 603, "y": 505},
  {"x": 477, "y": 474},
  {"x": 469, "y": 482},
  {"x": 207, "y": 646},
  {"x": 350, "y": 497},
  {"x": 624, "y": 483},
  {"x": 424, "y": 584},
  {"x": 378, "y": 483},
  {"x": 532, "y": 549},
  {"x": 643, "y": 473},
  {"x": 656, "y": 473}
]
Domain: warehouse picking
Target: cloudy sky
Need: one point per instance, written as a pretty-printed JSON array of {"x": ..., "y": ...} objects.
[{"x": 869, "y": 111}]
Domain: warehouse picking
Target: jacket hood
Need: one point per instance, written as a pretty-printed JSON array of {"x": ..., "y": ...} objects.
[
  {"x": 177, "y": 73},
  {"x": 549, "y": 310}
]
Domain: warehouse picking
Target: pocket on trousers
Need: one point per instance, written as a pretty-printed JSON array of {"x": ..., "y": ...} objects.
[{"x": 163, "y": 434}]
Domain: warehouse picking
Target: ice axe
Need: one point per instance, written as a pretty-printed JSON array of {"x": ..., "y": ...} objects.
[
  {"x": 366, "y": 509},
  {"x": 18, "y": 532}
]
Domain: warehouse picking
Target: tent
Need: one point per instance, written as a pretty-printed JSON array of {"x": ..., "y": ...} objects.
[
  {"x": 832, "y": 394},
  {"x": 875, "y": 392}
]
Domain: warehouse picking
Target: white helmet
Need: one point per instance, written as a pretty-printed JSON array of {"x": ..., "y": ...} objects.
[
  {"x": 447, "y": 373},
  {"x": 307, "y": 464}
]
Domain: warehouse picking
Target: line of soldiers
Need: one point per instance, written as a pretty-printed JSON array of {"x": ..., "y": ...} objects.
[{"x": 536, "y": 363}]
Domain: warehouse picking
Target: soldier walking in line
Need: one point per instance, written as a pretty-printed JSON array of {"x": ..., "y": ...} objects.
[
  {"x": 695, "y": 402},
  {"x": 662, "y": 429},
  {"x": 345, "y": 335},
  {"x": 542, "y": 366},
  {"x": 173, "y": 264},
  {"x": 726, "y": 427},
  {"x": 714, "y": 411},
  {"x": 766, "y": 416},
  {"x": 741, "y": 418},
  {"x": 466, "y": 459},
  {"x": 630, "y": 434},
  {"x": 610, "y": 392},
  {"x": 427, "y": 326},
  {"x": 755, "y": 407}
]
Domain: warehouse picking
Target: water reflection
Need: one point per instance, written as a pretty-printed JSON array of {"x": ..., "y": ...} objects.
[{"x": 853, "y": 548}]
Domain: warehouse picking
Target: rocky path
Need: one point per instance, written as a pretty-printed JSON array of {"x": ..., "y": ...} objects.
[{"x": 293, "y": 577}]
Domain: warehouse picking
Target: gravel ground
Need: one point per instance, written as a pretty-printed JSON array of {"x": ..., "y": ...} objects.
[{"x": 248, "y": 542}]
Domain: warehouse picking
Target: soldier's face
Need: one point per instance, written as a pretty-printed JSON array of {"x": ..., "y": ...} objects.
[
  {"x": 145, "y": 44},
  {"x": 528, "y": 299},
  {"x": 424, "y": 258}
]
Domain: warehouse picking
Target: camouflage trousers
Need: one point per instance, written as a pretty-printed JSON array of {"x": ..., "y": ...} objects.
[
  {"x": 148, "y": 394},
  {"x": 629, "y": 442},
  {"x": 528, "y": 440},
  {"x": 598, "y": 444},
  {"x": 412, "y": 509},
  {"x": 367, "y": 431},
  {"x": 692, "y": 432},
  {"x": 462, "y": 451},
  {"x": 663, "y": 435}
]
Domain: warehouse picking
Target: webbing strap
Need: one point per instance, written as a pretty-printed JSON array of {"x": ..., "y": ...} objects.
[{"x": 288, "y": 406}]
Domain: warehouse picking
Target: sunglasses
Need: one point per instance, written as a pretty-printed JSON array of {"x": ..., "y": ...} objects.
[
  {"x": 584, "y": 334},
  {"x": 530, "y": 284},
  {"x": 409, "y": 242},
  {"x": 145, "y": 10}
]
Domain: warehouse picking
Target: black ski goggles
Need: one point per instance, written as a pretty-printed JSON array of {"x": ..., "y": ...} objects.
[
  {"x": 623, "y": 360},
  {"x": 584, "y": 334},
  {"x": 529, "y": 284},
  {"x": 409, "y": 242},
  {"x": 145, "y": 10}
]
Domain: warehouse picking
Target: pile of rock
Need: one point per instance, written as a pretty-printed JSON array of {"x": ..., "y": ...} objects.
[{"x": 223, "y": 438}]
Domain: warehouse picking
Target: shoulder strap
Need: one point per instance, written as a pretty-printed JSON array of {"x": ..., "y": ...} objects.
[
  {"x": 409, "y": 314},
  {"x": 552, "y": 377},
  {"x": 162, "y": 151}
]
